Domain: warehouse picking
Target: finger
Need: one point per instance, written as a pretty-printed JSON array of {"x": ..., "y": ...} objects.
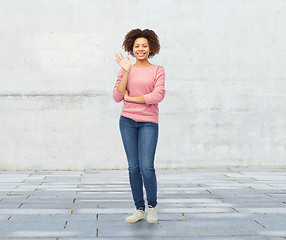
[
  {"x": 128, "y": 58},
  {"x": 122, "y": 55},
  {"x": 117, "y": 56}
]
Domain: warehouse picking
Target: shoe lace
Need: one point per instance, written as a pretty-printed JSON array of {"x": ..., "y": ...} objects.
[{"x": 138, "y": 211}]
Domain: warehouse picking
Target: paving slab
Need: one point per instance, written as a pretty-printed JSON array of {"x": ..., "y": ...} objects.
[
  {"x": 24, "y": 238},
  {"x": 209, "y": 204}
]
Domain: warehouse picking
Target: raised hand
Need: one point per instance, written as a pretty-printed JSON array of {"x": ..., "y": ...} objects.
[{"x": 124, "y": 63}]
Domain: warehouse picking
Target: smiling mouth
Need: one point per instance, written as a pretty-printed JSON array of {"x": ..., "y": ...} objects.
[{"x": 141, "y": 54}]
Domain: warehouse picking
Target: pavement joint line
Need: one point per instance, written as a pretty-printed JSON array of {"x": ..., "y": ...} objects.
[
  {"x": 66, "y": 224},
  {"x": 20, "y": 205},
  {"x": 209, "y": 191},
  {"x": 236, "y": 181},
  {"x": 35, "y": 189},
  {"x": 283, "y": 202},
  {"x": 74, "y": 200},
  {"x": 184, "y": 216},
  {"x": 158, "y": 223},
  {"x": 220, "y": 200},
  {"x": 97, "y": 232},
  {"x": 259, "y": 223},
  {"x": 269, "y": 185},
  {"x": 72, "y": 211},
  {"x": 28, "y": 196},
  {"x": 9, "y": 218},
  {"x": 1, "y": 199},
  {"x": 254, "y": 179},
  {"x": 197, "y": 232},
  {"x": 16, "y": 194},
  {"x": 234, "y": 209},
  {"x": 251, "y": 187},
  {"x": 267, "y": 194},
  {"x": 97, "y": 217},
  {"x": 226, "y": 175},
  {"x": 16, "y": 187}
]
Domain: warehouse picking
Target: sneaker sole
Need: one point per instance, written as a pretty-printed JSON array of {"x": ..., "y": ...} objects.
[
  {"x": 151, "y": 222},
  {"x": 136, "y": 221}
]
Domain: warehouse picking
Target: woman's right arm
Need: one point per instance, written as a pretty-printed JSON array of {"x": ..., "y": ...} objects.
[
  {"x": 121, "y": 88},
  {"x": 125, "y": 64},
  {"x": 122, "y": 79}
]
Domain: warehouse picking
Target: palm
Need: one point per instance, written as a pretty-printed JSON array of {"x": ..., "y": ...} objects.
[{"x": 124, "y": 63}]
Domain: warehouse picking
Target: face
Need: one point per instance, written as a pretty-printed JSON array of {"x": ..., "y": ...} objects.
[{"x": 141, "y": 48}]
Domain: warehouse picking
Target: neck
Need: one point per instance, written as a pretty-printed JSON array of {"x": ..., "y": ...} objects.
[{"x": 143, "y": 63}]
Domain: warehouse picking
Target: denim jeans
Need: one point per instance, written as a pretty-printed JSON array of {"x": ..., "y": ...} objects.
[{"x": 140, "y": 141}]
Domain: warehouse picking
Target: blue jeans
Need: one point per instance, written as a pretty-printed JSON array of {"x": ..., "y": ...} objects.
[{"x": 140, "y": 141}]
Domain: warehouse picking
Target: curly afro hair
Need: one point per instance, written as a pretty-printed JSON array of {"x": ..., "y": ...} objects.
[{"x": 150, "y": 35}]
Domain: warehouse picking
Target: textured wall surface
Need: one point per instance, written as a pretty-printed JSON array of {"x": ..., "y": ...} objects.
[{"x": 225, "y": 64}]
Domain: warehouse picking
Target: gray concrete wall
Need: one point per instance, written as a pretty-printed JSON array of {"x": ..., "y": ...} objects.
[{"x": 225, "y": 65}]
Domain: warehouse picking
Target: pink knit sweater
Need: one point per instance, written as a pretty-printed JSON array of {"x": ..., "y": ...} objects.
[{"x": 148, "y": 82}]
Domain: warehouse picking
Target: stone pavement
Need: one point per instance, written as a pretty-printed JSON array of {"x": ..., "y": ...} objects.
[{"x": 192, "y": 204}]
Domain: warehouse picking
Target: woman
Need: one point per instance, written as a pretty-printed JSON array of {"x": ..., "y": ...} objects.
[{"x": 141, "y": 86}]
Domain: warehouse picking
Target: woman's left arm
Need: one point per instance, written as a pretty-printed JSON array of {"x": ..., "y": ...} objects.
[{"x": 158, "y": 93}]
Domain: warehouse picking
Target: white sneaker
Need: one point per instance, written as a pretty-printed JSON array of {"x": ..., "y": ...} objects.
[
  {"x": 136, "y": 216},
  {"x": 152, "y": 216}
]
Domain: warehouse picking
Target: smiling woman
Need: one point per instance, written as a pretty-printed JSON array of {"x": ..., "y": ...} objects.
[{"x": 141, "y": 86}]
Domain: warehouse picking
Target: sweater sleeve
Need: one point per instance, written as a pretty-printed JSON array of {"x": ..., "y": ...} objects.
[
  {"x": 157, "y": 95},
  {"x": 116, "y": 95}
]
